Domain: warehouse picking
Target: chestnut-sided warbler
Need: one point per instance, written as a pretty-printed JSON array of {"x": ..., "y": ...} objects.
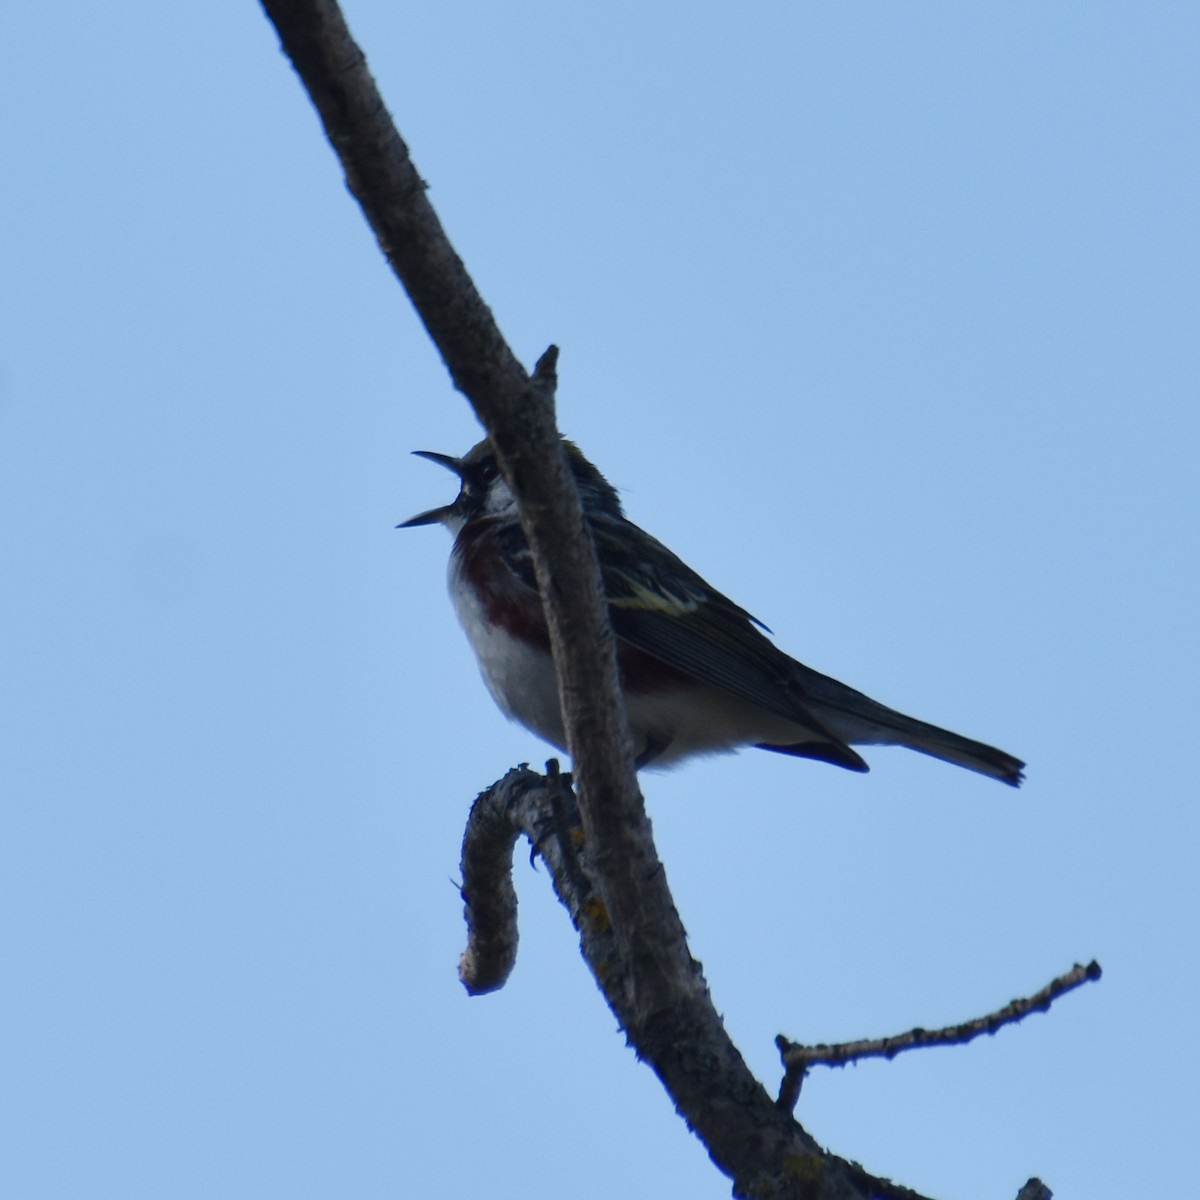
[{"x": 698, "y": 674}]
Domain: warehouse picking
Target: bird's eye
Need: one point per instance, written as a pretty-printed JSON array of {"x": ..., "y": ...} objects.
[{"x": 479, "y": 479}]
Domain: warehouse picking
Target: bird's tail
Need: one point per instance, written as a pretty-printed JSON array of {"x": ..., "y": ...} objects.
[
  {"x": 859, "y": 720},
  {"x": 950, "y": 747}
]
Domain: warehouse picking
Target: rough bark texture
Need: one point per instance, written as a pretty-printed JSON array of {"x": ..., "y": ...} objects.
[{"x": 617, "y": 893}]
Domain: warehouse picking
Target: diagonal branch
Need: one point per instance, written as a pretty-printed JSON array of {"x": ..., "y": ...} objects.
[
  {"x": 663, "y": 1001},
  {"x": 797, "y": 1058}
]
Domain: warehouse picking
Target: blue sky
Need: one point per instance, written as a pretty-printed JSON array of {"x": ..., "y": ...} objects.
[{"x": 883, "y": 316}]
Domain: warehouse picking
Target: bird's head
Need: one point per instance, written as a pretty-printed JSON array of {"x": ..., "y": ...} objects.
[{"x": 484, "y": 492}]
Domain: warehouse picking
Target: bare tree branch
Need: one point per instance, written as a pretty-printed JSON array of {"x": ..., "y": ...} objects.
[
  {"x": 797, "y": 1058},
  {"x": 663, "y": 1002},
  {"x": 614, "y": 886}
]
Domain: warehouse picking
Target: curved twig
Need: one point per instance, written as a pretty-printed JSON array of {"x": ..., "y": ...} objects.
[{"x": 543, "y": 809}]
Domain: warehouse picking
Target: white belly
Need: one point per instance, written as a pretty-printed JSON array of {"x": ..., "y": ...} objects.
[{"x": 520, "y": 677}]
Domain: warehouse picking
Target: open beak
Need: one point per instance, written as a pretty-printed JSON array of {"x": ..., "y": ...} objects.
[
  {"x": 443, "y": 460},
  {"x": 434, "y": 516}
]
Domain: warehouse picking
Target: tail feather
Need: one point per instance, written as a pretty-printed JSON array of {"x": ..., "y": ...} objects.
[
  {"x": 859, "y": 720},
  {"x": 951, "y": 748}
]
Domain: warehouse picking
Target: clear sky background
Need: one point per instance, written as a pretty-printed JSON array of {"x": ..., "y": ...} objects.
[{"x": 883, "y": 316}]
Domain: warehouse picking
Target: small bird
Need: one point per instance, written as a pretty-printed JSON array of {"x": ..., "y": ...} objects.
[{"x": 698, "y": 672}]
